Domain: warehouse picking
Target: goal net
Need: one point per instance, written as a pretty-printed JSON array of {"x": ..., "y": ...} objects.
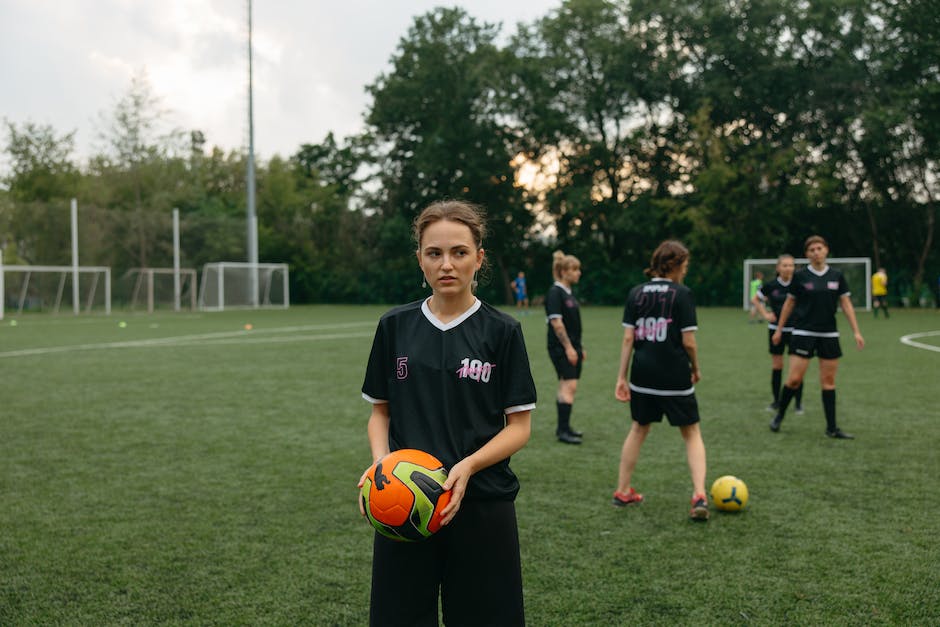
[
  {"x": 156, "y": 287},
  {"x": 230, "y": 284},
  {"x": 857, "y": 272},
  {"x": 51, "y": 288}
]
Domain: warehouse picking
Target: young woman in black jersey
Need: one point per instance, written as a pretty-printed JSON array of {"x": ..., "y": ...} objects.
[
  {"x": 659, "y": 343},
  {"x": 774, "y": 294},
  {"x": 815, "y": 294},
  {"x": 563, "y": 315},
  {"x": 449, "y": 375}
]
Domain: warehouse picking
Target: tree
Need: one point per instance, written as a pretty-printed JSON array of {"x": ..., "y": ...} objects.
[
  {"x": 42, "y": 179},
  {"x": 436, "y": 133}
]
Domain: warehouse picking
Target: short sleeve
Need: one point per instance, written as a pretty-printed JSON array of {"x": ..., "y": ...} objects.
[
  {"x": 629, "y": 310},
  {"x": 843, "y": 285},
  {"x": 554, "y": 303},
  {"x": 375, "y": 385},
  {"x": 518, "y": 387},
  {"x": 685, "y": 312}
]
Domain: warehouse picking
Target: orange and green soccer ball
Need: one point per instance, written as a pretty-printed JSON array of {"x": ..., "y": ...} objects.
[
  {"x": 729, "y": 493},
  {"x": 403, "y": 495}
]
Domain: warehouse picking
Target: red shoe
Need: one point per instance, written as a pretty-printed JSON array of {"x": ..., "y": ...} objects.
[
  {"x": 631, "y": 497},
  {"x": 699, "y": 511}
]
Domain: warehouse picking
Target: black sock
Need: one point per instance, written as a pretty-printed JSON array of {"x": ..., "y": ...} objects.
[
  {"x": 786, "y": 395},
  {"x": 798, "y": 395},
  {"x": 829, "y": 406},
  {"x": 564, "y": 417},
  {"x": 775, "y": 376}
]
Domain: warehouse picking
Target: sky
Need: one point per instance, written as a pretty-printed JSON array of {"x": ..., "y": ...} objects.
[{"x": 66, "y": 63}]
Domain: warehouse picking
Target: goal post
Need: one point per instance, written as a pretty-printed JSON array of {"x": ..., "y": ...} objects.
[
  {"x": 159, "y": 287},
  {"x": 857, "y": 272},
  {"x": 229, "y": 284},
  {"x": 43, "y": 287}
]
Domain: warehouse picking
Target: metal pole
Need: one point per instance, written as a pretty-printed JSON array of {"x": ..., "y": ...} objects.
[
  {"x": 1, "y": 284},
  {"x": 75, "y": 304},
  {"x": 251, "y": 218},
  {"x": 176, "y": 259}
]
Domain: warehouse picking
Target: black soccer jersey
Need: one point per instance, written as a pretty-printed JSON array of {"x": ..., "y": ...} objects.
[
  {"x": 817, "y": 300},
  {"x": 774, "y": 293},
  {"x": 659, "y": 311},
  {"x": 450, "y": 386},
  {"x": 561, "y": 303}
]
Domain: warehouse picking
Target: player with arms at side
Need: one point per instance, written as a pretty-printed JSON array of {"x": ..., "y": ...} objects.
[
  {"x": 449, "y": 375},
  {"x": 659, "y": 341},
  {"x": 563, "y": 314},
  {"x": 815, "y": 294},
  {"x": 521, "y": 291},
  {"x": 774, "y": 293}
]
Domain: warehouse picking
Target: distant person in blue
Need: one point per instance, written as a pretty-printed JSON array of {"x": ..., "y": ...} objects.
[{"x": 521, "y": 292}]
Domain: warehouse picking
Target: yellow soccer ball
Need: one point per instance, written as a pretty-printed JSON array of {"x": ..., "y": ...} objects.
[{"x": 729, "y": 493}]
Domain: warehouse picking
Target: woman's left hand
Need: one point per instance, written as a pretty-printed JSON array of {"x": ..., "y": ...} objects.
[{"x": 457, "y": 480}]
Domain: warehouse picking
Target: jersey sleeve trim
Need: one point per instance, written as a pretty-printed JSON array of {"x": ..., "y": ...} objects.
[
  {"x": 550, "y": 316},
  {"x": 374, "y": 401},
  {"x": 515, "y": 409},
  {"x": 628, "y": 325},
  {"x": 691, "y": 328}
]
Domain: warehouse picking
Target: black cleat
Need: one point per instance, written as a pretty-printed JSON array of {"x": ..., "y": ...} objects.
[
  {"x": 576, "y": 434},
  {"x": 839, "y": 434},
  {"x": 775, "y": 423},
  {"x": 773, "y": 407},
  {"x": 568, "y": 438}
]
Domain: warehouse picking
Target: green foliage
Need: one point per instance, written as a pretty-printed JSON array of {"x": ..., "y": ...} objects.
[
  {"x": 740, "y": 127},
  {"x": 211, "y": 479}
]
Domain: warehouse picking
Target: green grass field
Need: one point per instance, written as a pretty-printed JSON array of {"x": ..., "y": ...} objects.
[{"x": 183, "y": 470}]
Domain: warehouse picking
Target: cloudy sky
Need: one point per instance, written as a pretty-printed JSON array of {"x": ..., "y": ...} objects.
[{"x": 67, "y": 62}]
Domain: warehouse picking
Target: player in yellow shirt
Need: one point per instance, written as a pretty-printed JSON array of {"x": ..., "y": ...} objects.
[{"x": 879, "y": 292}]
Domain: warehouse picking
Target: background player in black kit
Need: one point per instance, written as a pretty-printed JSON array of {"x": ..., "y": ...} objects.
[
  {"x": 659, "y": 339},
  {"x": 449, "y": 375},
  {"x": 563, "y": 315},
  {"x": 815, "y": 294},
  {"x": 774, "y": 293}
]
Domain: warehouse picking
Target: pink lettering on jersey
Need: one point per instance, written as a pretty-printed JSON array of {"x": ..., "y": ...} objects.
[{"x": 833, "y": 285}]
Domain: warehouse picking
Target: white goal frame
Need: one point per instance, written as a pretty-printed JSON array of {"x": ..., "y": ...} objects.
[
  {"x": 185, "y": 274},
  {"x": 803, "y": 261},
  {"x": 264, "y": 279},
  {"x": 65, "y": 272}
]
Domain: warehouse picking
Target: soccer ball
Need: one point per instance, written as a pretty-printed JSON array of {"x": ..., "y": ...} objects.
[
  {"x": 403, "y": 495},
  {"x": 729, "y": 493}
]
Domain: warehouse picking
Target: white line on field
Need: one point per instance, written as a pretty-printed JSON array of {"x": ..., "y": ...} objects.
[
  {"x": 227, "y": 337},
  {"x": 909, "y": 340}
]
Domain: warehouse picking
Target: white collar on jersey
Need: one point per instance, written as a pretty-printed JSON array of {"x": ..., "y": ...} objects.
[
  {"x": 784, "y": 283},
  {"x": 562, "y": 286},
  {"x": 820, "y": 272},
  {"x": 477, "y": 303}
]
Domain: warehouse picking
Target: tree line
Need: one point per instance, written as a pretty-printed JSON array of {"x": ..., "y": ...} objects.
[{"x": 601, "y": 128}]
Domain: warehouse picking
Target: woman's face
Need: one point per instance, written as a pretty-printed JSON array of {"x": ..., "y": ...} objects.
[
  {"x": 448, "y": 257},
  {"x": 785, "y": 268},
  {"x": 817, "y": 253},
  {"x": 571, "y": 274}
]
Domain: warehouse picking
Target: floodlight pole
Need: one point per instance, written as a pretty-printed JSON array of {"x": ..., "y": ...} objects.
[
  {"x": 76, "y": 306},
  {"x": 176, "y": 259},
  {"x": 1, "y": 284},
  {"x": 251, "y": 217}
]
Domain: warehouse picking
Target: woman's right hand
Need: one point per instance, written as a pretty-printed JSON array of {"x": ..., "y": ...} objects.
[
  {"x": 572, "y": 355},
  {"x": 362, "y": 480}
]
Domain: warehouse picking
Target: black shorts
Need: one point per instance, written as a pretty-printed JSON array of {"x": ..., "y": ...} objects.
[
  {"x": 808, "y": 346},
  {"x": 649, "y": 408},
  {"x": 777, "y": 349},
  {"x": 472, "y": 565},
  {"x": 563, "y": 367},
  {"x": 879, "y": 300}
]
